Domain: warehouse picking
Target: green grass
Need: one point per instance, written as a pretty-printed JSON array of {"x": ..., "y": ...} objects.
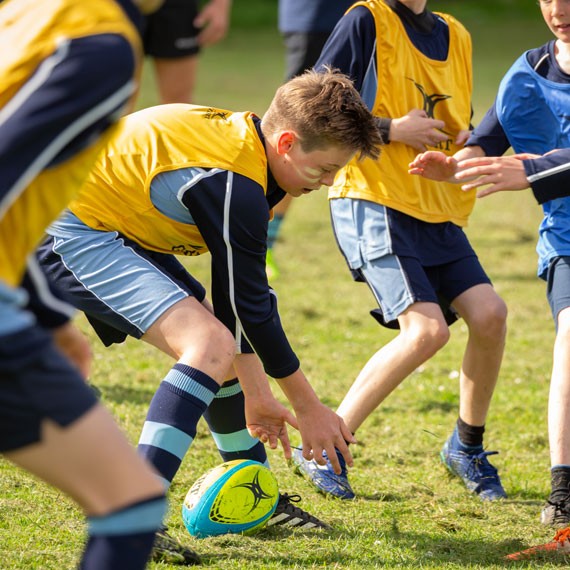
[{"x": 409, "y": 513}]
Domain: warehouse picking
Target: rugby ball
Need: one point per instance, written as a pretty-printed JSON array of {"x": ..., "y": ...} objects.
[{"x": 235, "y": 497}]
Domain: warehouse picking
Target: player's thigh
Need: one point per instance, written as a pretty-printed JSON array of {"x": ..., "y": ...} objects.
[{"x": 90, "y": 460}]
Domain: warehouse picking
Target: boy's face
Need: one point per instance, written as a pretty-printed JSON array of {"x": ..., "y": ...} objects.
[
  {"x": 299, "y": 172},
  {"x": 556, "y": 14}
]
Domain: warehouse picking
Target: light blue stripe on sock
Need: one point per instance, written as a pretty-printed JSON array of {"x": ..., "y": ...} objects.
[
  {"x": 166, "y": 437},
  {"x": 229, "y": 391},
  {"x": 189, "y": 385},
  {"x": 236, "y": 441},
  {"x": 140, "y": 518}
]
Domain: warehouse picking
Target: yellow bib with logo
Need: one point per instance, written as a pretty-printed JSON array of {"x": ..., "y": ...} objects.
[
  {"x": 116, "y": 196},
  {"x": 407, "y": 80}
]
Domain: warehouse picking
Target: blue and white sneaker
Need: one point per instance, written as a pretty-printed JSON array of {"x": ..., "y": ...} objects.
[
  {"x": 474, "y": 469},
  {"x": 322, "y": 476}
]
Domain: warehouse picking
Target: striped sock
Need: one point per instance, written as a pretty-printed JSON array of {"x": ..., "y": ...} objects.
[
  {"x": 174, "y": 411},
  {"x": 226, "y": 420},
  {"x": 123, "y": 540}
]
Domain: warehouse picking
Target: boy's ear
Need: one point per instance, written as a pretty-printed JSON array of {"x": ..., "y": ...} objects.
[{"x": 285, "y": 142}]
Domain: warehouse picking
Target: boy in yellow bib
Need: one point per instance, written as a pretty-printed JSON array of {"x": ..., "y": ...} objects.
[
  {"x": 403, "y": 235},
  {"x": 184, "y": 180}
]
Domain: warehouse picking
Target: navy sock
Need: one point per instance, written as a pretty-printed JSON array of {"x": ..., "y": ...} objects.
[
  {"x": 226, "y": 419},
  {"x": 174, "y": 411},
  {"x": 123, "y": 540},
  {"x": 560, "y": 480},
  {"x": 470, "y": 436}
]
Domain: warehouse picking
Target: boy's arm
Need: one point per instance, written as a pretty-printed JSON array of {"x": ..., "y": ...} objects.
[{"x": 548, "y": 175}]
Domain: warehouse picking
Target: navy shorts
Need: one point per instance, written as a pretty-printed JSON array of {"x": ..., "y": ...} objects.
[
  {"x": 37, "y": 383},
  {"x": 170, "y": 32},
  {"x": 404, "y": 260},
  {"x": 558, "y": 286}
]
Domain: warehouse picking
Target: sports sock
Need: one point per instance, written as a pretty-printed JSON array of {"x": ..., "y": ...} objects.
[
  {"x": 273, "y": 230},
  {"x": 226, "y": 419},
  {"x": 123, "y": 540},
  {"x": 560, "y": 480},
  {"x": 470, "y": 436},
  {"x": 170, "y": 425}
]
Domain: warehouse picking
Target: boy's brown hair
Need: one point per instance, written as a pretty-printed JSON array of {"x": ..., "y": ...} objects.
[{"x": 324, "y": 109}]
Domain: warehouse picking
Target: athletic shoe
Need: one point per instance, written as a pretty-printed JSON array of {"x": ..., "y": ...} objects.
[
  {"x": 287, "y": 514},
  {"x": 322, "y": 476},
  {"x": 559, "y": 544},
  {"x": 556, "y": 512},
  {"x": 167, "y": 549},
  {"x": 270, "y": 266},
  {"x": 473, "y": 468}
]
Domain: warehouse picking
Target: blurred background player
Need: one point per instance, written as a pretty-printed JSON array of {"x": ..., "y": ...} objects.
[
  {"x": 67, "y": 70},
  {"x": 305, "y": 26},
  {"x": 173, "y": 37},
  {"x": 405, "y": 239},
  {"x": 530, "y": 114}
]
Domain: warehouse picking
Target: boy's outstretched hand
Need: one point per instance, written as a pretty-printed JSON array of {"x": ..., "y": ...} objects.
[
  {"x": 324, "y": 430},
  {"x": 434, "y": 165},
  {"x": 267, "y": 420}
]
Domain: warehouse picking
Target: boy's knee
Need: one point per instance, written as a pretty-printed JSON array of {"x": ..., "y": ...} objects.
[
  {"x": 490, "y": 319},
  {"x": 428, "y": 339}
]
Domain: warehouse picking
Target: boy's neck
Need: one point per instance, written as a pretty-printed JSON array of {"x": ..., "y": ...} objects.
[{"x": 562, "y": 53}]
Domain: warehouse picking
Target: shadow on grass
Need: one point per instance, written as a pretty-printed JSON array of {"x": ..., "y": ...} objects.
[
  {"x": 389, "y": 549},
  {"x": 120, "y": 395}
]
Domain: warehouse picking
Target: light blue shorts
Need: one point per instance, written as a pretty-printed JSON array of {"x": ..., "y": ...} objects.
[{"x": 113, "y": 280}]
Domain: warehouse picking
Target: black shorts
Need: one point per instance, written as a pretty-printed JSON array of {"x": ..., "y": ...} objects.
[
  {"x": 37, "y": 383},
  {"x": 170, "y": 31},
  {"x": 302, "y": 51}
]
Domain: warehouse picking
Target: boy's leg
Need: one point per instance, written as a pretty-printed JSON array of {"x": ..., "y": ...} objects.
[
  {"x": 405, "y": 293},
  {"x": 53, "y": 427},
  {"x": 422, "y": 333},
  {"x": 557, "y": 510},
  {"x": 485, "y": 315},
  {"x": 122, "y": 497},
  {"x": 225, "y": 417},
  {"x": 559, "y": 398}
]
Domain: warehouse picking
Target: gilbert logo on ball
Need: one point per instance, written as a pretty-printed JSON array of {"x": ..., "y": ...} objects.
[{"x": 235, "y": 497}]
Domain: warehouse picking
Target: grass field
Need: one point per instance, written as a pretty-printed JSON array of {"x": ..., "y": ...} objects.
[{"x": 409, "y": 513}]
